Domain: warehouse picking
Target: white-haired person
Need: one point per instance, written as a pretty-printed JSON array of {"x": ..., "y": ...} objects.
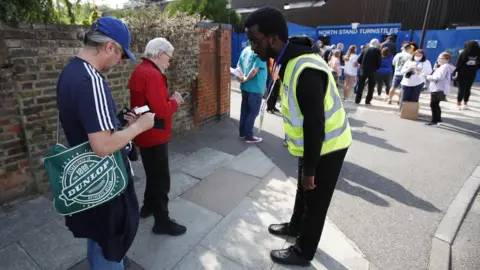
[
  {"x": 370, "y": 61},
  {"x": 148, "y": 86}
]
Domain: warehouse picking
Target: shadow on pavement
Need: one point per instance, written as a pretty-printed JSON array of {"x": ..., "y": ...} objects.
[
  {"x": 461, "y": 127},
  {"x": 375, "y": 141},
  {"x": 364, "y": 177},
  {"x": 359, "y": 123}
]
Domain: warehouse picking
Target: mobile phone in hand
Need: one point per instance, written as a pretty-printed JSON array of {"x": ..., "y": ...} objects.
[
  {"x": 121, "y": 114},
  {"x": 185, "y": 95}
]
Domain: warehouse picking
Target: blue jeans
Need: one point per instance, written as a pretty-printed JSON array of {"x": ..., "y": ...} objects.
[
  {"x": 251, "y": 103},
  {"x": 97, "y": 261},
  {"x": 412, "y": 93}
]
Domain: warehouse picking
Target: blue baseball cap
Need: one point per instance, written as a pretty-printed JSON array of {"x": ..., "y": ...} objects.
[{"x": 116, "y": 30}]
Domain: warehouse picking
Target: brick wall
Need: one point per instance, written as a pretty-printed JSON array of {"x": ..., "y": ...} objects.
[{"x": 31, "y": 58}]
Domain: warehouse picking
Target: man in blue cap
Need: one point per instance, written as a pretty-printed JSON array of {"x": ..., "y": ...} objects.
[{"x": 87, "y": 113}]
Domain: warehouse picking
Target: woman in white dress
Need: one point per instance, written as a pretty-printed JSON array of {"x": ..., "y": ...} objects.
[{"x": 351, "y": 69}]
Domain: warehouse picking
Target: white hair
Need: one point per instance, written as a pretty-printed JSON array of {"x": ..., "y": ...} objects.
[
  {"x": 157, "y": 45},
  {"x": 374, "y": 43}
]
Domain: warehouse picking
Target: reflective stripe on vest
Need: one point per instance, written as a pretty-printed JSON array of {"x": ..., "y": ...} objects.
[
  {"x": 336, "y": 137},
  {"x": 297, "y": 121}
]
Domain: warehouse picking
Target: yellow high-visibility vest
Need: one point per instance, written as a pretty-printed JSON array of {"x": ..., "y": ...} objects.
[{"x": 337, "y": 129}]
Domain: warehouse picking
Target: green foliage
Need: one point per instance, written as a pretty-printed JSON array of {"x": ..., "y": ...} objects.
[
  {"x": 178, "y": 28},
  {"x": 214, "y": 10},
  {"x": 45, "y": 11}
]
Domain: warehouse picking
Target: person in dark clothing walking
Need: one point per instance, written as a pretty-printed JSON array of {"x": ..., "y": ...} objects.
[
  {"x": 468, "y": 62},
  {"x": 370, "y": 61},
  {"x": 148, "y": 86},
  {"x": 316, "y": 127},
  {"x": 390, "y": 45}
]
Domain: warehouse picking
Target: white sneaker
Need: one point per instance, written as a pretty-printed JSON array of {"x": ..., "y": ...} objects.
[{"x": 465, "y": 107}]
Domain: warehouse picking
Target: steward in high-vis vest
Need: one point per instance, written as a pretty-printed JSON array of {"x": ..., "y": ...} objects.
[{"x": 316, "y": 127}]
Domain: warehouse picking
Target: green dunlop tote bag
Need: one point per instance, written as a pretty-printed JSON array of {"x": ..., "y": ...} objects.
[{"x": 80, "y": 179}]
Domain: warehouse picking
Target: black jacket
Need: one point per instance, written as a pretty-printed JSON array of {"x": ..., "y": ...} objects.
[
  {"x": 311, "y": 88},
  {"x": 370, "y": 60},
  {"x": 467, "y": 65},
  {"x": 392, "y": 48}
]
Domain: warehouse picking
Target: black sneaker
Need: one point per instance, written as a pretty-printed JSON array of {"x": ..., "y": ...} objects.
[
  {"x": 145, "y": 212},
  {"x": 170, "y": 227},
  {"x": 282, "y": 229}
]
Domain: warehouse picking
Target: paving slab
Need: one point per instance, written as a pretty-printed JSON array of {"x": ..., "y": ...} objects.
[
  {"x": 179, "y": 183},
  {"x": 14, "y": 257},
  {"x": 83, "y": 265},
  {"x": 336, "y": 251},
  {"x": 222, "y": 190},
  {"x": 201, "y": 258},
  {"x": 275, "y": 187},
  {"x": 164, "y": 252},
  {"x": 53, "y": 246},
  {"x": 252, "y": 161},
  {"x": 465, "y": 248},
  {"x": 243, "y": 236},
  {"x": 204, "y": 162},
  {"x": 24, "y": 217},
  {"x": 231, "y": 145},
  {"x": 138, "y": 170}
]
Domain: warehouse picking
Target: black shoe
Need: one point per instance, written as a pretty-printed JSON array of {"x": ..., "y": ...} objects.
[
  {"x": 145, "y": 212},
  {"x": 431, "y": 124},
  {"x": 275, "y": 110},
  {"x": 288, "y": 256},
  {"x": 282, "y": 229},
  {"x": 270, "y": 111},
  {"x": 170, "y": 227}
]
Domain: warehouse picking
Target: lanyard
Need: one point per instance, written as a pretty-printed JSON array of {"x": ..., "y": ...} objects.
[{"x": 275, "y": 71}]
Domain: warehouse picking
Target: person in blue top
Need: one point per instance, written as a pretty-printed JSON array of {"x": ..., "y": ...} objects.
[
  {"x": 253, "y": 87},
  {"x": 87, "y": 113},
  {"x": 384, "y": 73}
]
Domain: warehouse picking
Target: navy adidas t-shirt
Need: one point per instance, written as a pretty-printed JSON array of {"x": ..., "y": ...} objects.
[{"x": 86, "y": 106}]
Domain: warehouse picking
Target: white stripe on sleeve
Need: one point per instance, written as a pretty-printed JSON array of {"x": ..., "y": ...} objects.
[
  {"x": 102, "y": 100},
  {"x": 94, "y": 87}
]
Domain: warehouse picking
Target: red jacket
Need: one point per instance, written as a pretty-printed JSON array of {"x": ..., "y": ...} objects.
[{"x": 148, "y": 86}]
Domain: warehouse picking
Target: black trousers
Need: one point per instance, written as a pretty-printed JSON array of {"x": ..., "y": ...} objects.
[
  {"x": 435, "y": 99},
  {"x": 311, "y": 206},
  {"x": 383, "y": 79},
  {"x": 464, "y": 87},
  {"x": 155, "y": 163},
  {"x": 272, "y": 100},
  {"x": 361, "y": 85}
]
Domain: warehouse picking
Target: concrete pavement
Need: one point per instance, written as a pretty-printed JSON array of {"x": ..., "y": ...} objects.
[
  {"x": 467, "y": 242},
  {"x": 399, "y": 176},
  {"x": 225, "y": 191}
]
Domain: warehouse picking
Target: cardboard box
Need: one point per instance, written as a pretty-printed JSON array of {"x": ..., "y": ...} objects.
[{"x": 410, "y": 110}]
